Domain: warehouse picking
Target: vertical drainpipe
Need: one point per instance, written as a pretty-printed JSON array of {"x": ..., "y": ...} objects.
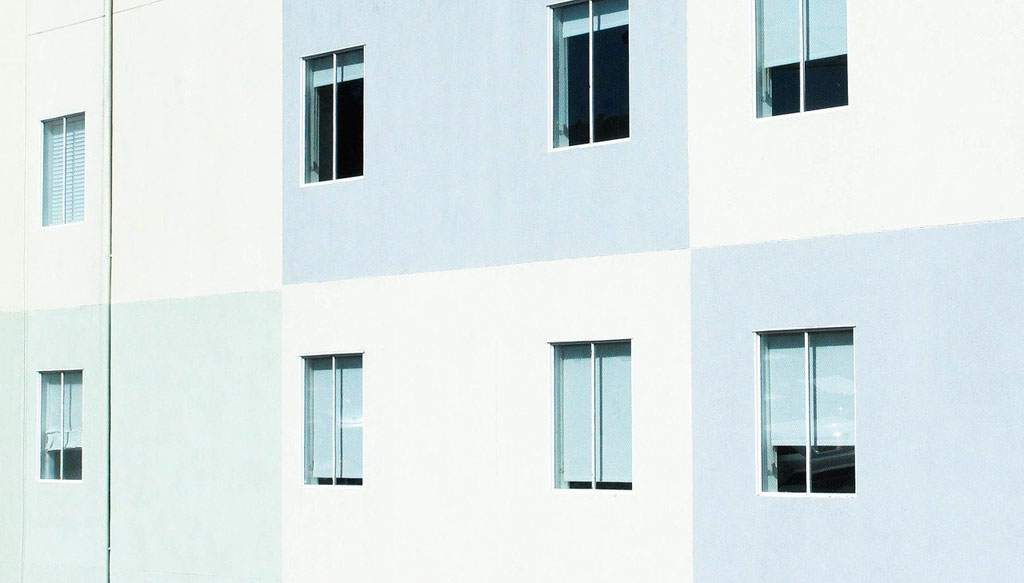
[{"x": 108, "y": 182}]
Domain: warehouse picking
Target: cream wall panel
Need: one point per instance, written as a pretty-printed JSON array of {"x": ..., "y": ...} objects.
[
  {"x": 64, "y": 264},
  {"x": 458, "y": 436},
  {"x": 197, "y": 177},
  {"x": 934, "y": 132},
  {"x": 45, "y": 15},
  {"x": 12, "y": 152}
]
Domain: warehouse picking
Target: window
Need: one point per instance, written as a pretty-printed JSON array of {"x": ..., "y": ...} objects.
[
  {"x": 64, "y": 170},
  {"x": 334, "y": 116},
  {"x": 593, "y": 429},
  {"x": 591, "y": 72},
  {"x": 807, "y": 406},
  {"x": 60, "y": 443},
  {"x": 334, "y": 420},
  {"x": 801, "y": 55}
]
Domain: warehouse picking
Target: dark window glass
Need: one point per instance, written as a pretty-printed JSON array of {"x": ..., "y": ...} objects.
[
  {"x": 825, "y": 83},
  {"x": 350, "y": 129},
  {"x": 785, "y": 88},
  {"x": 611, "y": 81}
]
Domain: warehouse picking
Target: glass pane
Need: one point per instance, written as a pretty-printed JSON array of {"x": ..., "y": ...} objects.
[
  {"x": 832, "y": 421},
  {"x": 50, "y": 444},
  {"x": 571, "y": 83},
  {"x": 319, "y": 119},
  {"x": 74, "y": 193},
  {"x": 615, "y": 441},
  {"x": 319, "y": 418},
  {"x": 826, "y": 28},
  {"x": 350, "y": 114},
  {"x": 350, "y": 416},
  {"x": 783, "y": 413},
  {"x": 53, "y": 172},
  {"x": 73, "y": 425},
  {"x": 611, "y": 69},
  {"x": 778, "y": 57},
  {"x": 573, "y": 418}
]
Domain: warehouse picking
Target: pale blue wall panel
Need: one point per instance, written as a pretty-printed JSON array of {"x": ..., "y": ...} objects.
[
  {"x": 939, "y": 407},
  {"x": 457, "y": 168}
]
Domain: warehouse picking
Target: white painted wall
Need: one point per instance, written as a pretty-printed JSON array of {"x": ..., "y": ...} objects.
[
  {"x": 458, "y": 426},
  {"x": 934, "y": 132},
  {"x": 46, "y": 15},
  {"x": 65, "y": 266},
  {"x": 197, "y": 164},
  {"x": 12, "y": 152}
]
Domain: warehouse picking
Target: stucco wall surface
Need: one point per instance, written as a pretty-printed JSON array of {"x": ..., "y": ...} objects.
[
  {"x": 458, "y": 171},
  {"x": 457, "y": 451},
  {"x": 938, "y": 402},
  {"x": 196, "y": 459},
  {"x": 933, "y": 133},
  {"x": 12, "y": 410}
]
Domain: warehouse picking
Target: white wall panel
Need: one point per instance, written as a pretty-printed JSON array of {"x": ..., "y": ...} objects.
[
  {"x": 457, "y": 389},
  {"x": 197, "y": 172},
  {"x": 46, "y": 15},
  {"x": 65, "y": 266},
  {"x": 12, "y": 152},
  {"x": 934, "y": 132}
]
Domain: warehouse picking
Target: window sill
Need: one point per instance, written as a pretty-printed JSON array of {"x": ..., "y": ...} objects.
[
  {"x": 804, "y": 495},
  {"x": 590, "y": 145},
  {"x": 329, "y": 182},
  {"x": 801, "y": 114}
]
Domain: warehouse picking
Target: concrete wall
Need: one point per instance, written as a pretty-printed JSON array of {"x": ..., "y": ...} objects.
[
  {"x": 458, "y": 454},
  {"x": 938, "y": 405},
  {"x": 933, "y": 134},
  {"x": 458, "y": 171},
  {"x": 65, "y": 521},
  {"x": 196, "y": 435},
  {"x": 12, "y": 443}
]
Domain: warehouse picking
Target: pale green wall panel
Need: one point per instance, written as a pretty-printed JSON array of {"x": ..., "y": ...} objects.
[
  {"x": 11, "y": 413},
  {"x": 196, "y": 433}
]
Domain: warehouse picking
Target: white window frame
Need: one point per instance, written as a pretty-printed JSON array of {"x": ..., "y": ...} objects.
[
  {"x": 759, "y": 441},
  {"x": 64, "y": 178},
  {"x": 304, "y": 361},
  {"x": 554, "y": 438},
  {"x": 304, "y": 139},
  {"x": 40, "y": 426},
  {"x": 590, "y": 61}
]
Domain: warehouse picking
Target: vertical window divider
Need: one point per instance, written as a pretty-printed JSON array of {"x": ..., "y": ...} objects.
[
  {"x": 334, "y": 128},
  {"x": 807, "y": 412},
  {"x": 804, "y": 50},
  {"x": 60, "y": 469},
  {"x": 590, "y": 65},
  {"x": 334, "y": 420},
  {"x": 593, "y": 417}
]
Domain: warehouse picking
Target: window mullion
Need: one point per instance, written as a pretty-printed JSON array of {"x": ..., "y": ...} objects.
[
  {"x": 334, "y": 123},
  {"x": 60, "y": 469},
  {"x": 590, "y": 65},
  {"x": 807, "y": 412},
  {"x": 334, "y": 420},
  {"x": 804, "y": 34},
  {"x": 593, "y": 406}
]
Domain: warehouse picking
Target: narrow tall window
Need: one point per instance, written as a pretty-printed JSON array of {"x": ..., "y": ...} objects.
[
  {"x": 64, "y": 170},
  {"x": 807, "y": 418},
  {"x": 801, "y": 55},
  {"x": 593, "y": 426},
  {"x": 334, "y": 116},
  {"x": 334, "y": 420},
  {"x": 591, "y": 72},
  {"x": 61, "y": 426}
]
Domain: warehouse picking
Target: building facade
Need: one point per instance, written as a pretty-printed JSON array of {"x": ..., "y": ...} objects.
[{"x": 502, "y": 291}]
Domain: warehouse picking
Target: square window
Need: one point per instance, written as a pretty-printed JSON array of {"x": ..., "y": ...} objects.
[
  {"x": 807, "y": 412},
  {"x": 593, "y": 416},
  {"x": 64, "y": 170},
  {"x": 591, "y": 72},
  {"x": 801, "y": 55},
  {"x": 60, "y": 446},
  {"x": 334, "y": 420},
  {"x": 334, "y": 116}
]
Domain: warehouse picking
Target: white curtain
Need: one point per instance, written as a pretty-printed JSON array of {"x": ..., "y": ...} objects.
[
  {"x": 569, "y": 21},
  {"x": 573, "y": 424},
  {"x": 615, "y": 442},
  {"x": 53, "y": 172}
]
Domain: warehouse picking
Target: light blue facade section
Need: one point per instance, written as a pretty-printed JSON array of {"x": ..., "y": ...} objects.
[
  {"x": 939, "y": 407},
  {"x": 458, "y": 171},
  {"x": 12, "y": 398}
]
